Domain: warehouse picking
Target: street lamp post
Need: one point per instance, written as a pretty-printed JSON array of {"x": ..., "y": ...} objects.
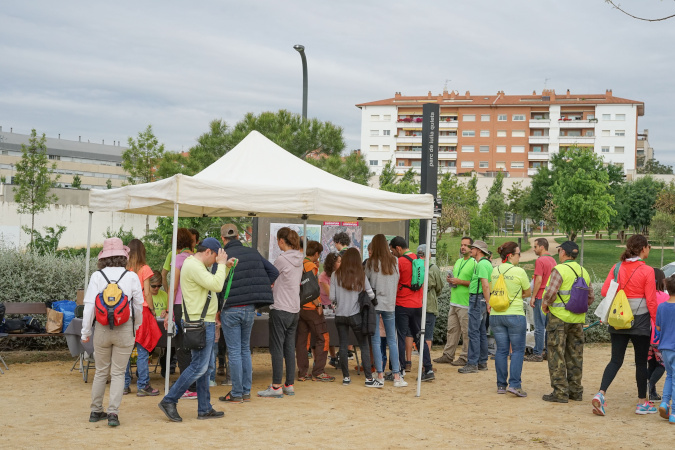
[{"x": 301, "y": 50}]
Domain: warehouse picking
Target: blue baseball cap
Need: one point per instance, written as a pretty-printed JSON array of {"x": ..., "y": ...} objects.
[{"x": 212, "y": 244}]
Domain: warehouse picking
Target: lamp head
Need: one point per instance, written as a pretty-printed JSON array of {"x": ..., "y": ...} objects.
[{"x": 299, "y": 48}]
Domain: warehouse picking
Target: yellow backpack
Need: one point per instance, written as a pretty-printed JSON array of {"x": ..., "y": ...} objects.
[
  {"x": 620, "y": 313},
  {"x": 499, "y": 297}
]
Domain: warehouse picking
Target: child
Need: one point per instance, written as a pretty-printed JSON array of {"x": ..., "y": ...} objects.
[
  {"x": 159, "y": 297},
  {"x": 665, "y": 334},
  {"x": 655, "y": 367}
]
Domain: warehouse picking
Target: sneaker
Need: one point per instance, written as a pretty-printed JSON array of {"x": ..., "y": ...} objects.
[
  {"x": 323, "y": 377},
  {"x": 533, "y": 358},
  {"x": 482, "y": 367},
  {"x": 428, "y": 376},
  {"x": 468, "y": 369},
  {"x": 501, "y": 389},
  {"x": 664, "y": 410},
  {"x": 333, "y": 362},
  {"x": 599, "y": 404},
  {"x": 212, "y": 383},
  {"x": 227, "y": 382},
  {"x": 350, "y": 355},
  {"x": 554, "y": 398},
  {"x": 646, "y": 408},
  {"x": 127, "y": 390},
  {"x": 672, "y": 419},
  {"x": 305, "y": 377},
  {"x": 389, "y": 376},
  {"x": 444, "y": 359},
  {"x": 288, "y": 390},
  {"x": 271, "y": 392},
  {"x": 147, "y": 391},
  {"x": 228, "y": 398},
  {"x": 247, "y": 397},
  {"x": 459, "y": 363},
  {"x": 113, "y": 420},
  {"x": 189, "y": 395},
  {"x": 96, "y": 416},
  {"x": 654, "y": 396},
  {"x": 346, "y": 381},
  {"x": 518, "y": 392},
  {"x": 400, "y": 383},
  {"x": 213, "y": 414},
  {"x": 374, "y": 383}
]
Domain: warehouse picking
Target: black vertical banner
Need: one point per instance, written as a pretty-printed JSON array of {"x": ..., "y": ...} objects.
[{"x": 429, "y": 175}]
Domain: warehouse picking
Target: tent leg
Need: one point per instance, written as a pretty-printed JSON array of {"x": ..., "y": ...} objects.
[
  {"x": 88, "y": 255},
  {"x": 171, "y": 328},
  {"x": 424, "y": 310},
  {"x": 304, "y": 235}
]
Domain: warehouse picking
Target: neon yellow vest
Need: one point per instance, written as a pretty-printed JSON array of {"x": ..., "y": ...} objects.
[{"x": 558, "y": 306}]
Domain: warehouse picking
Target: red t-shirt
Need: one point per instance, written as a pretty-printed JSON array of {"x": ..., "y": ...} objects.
[
  {"x": 543, "y": 267},
  {"x": 143, "y": 274},
  {"x": 406, "y": 297}
]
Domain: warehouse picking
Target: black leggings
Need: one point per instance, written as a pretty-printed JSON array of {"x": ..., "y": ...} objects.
[
  {"x": 655, "y": 371},
  {"x": 641, "y": 348}
]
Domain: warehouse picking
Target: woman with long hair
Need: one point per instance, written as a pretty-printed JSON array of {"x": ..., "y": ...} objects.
[
  {"x": 345, "y": 286},
  {"x": 112, "y": 346},
  {"x": 284, "y": 313},
  {"x": 144, "y": 337},
  {"x": 509, "y": 326},
  {"x": 382, "y": 273},
  {"x": 637, "y": 280},
  {"x": 330, "y": 265}
]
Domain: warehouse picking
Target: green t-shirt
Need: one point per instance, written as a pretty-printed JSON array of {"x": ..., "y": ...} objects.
[
  {"x": 160, "y": 301},
  {"x": 463, "y": 269},
  {"x": 483, "y": 270},
  {"x": 516, "y": 282},
  {"x": 167, "y": 262}
]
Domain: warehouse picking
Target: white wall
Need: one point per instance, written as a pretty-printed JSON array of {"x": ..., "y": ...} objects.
[{"x": 367, "y": 124}]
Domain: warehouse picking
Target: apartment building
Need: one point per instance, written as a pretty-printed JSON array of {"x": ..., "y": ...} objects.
[
  {"x": 644, "y": 151},
  {"x": 512, "y": 133},
  {"x": 94, "y": 163}
]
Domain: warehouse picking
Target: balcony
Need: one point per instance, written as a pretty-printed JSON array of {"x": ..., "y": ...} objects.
[
  {"x": 537, "y": 156},
  {"x": 409, "y": 140},
  {"x": 400, "y": 170},
  {"x": 445, "y": 155},
  {"x": 571, "y": 123},
  {"x": 539, "y": 139},
  {"x": 450, "y": 124},
  {"x": 532, "y": 172},
  {"x": 447, "y": 169},
  {"x": 447, "y": 139},
  {"x": 576, "y": 139},
  {"x": 408, "y": 154},
  {"x": 540, "y": 123}
]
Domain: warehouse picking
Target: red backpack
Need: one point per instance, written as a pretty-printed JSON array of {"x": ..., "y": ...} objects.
[{"x": 112, "y": 305}]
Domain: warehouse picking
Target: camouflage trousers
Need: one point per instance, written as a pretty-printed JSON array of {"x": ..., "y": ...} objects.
[{"x": 565, "y": 356}]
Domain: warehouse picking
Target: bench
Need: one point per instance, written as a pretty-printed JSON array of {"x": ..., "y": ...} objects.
[{"x": 27, "y": 309}]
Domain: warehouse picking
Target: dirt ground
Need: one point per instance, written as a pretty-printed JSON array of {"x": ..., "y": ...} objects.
[{"x": 44, "y": 405}]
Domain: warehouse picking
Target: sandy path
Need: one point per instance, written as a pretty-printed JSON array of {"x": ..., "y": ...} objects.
[{"x": 44, "y": 405}]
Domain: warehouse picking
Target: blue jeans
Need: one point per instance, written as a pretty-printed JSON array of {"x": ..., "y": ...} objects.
[
  {"x": 141, "y": 368},
  {"x": 509, "y": 332},
  {"x": 478, "y": 346},
  {"x": 198, "y": 371},
  {"x": 389, "y": 320},
  {"x": 237, "y": 324},
  {"x": 539, "y": 328},
  {"x": 669, "y": 385},
  {"x": 212, "y": 363}
]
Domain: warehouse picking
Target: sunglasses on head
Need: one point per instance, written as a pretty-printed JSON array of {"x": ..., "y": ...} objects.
[{"x": 155, "y": 286}]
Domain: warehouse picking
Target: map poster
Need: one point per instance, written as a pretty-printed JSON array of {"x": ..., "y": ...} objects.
[
  {"x": 328, "y": 231},
  {"x": 313, "y": 234}
]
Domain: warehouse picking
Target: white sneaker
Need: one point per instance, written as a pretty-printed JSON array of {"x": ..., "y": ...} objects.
[
  {"x": 400, "y": 383},
  {"x": 374, "y": 383},
  {"x": 346, "y": 381}
]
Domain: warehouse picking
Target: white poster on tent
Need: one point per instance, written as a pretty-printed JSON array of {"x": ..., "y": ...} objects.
[{"x": 313, "y": 234}]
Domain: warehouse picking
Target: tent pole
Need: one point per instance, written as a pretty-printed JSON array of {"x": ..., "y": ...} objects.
[
  {"x": 171, "y": 329},
  {"x": 304, "y": 234},
  {"x": 88, "y": 254},
  {"x": 424, "y": 309}
]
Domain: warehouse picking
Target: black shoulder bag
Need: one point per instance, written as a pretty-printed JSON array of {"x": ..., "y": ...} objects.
[{"x": 194, "y": 333}]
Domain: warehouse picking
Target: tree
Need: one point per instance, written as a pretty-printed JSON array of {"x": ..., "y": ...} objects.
[
  {"x": 639, "y": 209},
  {"x": 661, "y": 230},
  {"x": 517, "y": 198},
  {"x": 108, "y": 183},
  {"x": 458, "y": 202},
  {"x": 140, "y": 160},
  {"x": 665, "y": 201},
  {"x": 495, "y": 205},
  {"x": 48, "y": 243},
  {"x": 654, "y": 167},
  {"x": 77, "y": 182},
  {"x": 581, "y": 191},
  {"x": 352, "y": 167},
  {"x": 34, "y": 180},
  {"x": 542, "y": 183},
  {"x": 548, "y": 213},
  {"x": 406, "y": 185}
]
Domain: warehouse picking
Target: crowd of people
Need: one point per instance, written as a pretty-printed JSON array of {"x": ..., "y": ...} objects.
[{"x": 221, "y": 285}]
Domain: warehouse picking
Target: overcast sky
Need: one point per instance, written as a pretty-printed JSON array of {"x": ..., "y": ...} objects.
[{"x": 105, "y": 70}]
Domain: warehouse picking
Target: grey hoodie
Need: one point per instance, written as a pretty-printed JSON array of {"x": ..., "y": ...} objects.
[{"x": 286, "y": 289}]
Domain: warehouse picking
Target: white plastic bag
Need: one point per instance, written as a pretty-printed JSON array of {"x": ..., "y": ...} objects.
[{"x": 602, "y": 311}]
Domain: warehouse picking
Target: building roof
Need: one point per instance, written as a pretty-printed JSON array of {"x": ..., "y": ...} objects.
[
  {"x": 546, "y": 98},
  {"x": 65, "y": 147}
]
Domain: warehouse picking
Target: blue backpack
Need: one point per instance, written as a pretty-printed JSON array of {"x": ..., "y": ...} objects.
[{"x": 578, "y": 302}]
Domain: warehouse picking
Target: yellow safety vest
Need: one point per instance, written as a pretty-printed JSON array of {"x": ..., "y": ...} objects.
[{"x": 558, "y": 306}]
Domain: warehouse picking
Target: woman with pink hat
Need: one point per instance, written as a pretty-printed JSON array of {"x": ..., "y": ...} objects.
[{"x": 112, "y": 343}]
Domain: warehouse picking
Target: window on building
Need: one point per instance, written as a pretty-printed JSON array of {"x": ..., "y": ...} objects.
[
  {"x": 536, "y": 148},
  {"x": 619, "y": 165},
  {"x": 385, "y": 148},
  {"x": 605, "y": 132},
  {"x": 518, "y": 133},
  {"x": 484, "y": 148},
  {"x": 618, "y": 149},
  {"x": 469, "y": 118},
  {"x": 374, "y": 132},
  {"x": 537, "y": 132},
  {"x": 373, "y": 148},
  {"x": 417, "y": 163},
  {"x": 55, "y": 157},
  {"x": 374, "y": 117},
  {"x": 517, "y": 165},
  {"x": 468, "y": 133},
  {"x": 590, "y": 117},
  {"x": 574, "y": 133},
  {"x": 484, "y": 133},
  {"x": 606, "y": 117},
  {"x": 467, "y": 148},
  {"x": 467, "y": 165},
  {"x": 386, "y": 132},
  {"x": 452, "y": 163},
  {"x": 517, "y": 149},
  {"x": 483, "y": 165},
  {"x": 501, "y": 149},
  {"x": 605, "y": 149},
  {"x": 620, "y": 133},
  {"x": 590, "y": 133},
  {"x": 536, "y": 164},
  {"x": 485, "y": 117},
  {"x": 400, "y": 163},
  {"x": 500, "y": 165},
  {"x": 386, "y": 117},
  {"x": 501, "y": 133},
  {"x": 620, "y": 117},
  {"x": 373, "y": 162},
  {"x": 519, "y": 117},
  {"x": 501, "y": 118}
]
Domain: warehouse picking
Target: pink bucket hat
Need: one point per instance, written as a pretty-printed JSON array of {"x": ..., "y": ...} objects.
[{"x": 113, "y": 247}]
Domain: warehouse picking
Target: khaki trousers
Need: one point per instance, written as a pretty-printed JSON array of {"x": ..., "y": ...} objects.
[
  {"x": 458, "y": 322},
  {"x": 112, "y": 349}
]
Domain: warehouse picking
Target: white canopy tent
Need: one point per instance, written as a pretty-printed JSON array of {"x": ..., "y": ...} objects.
[{"x": 258, "y": 178}]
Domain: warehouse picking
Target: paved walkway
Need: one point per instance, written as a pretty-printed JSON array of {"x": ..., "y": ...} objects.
[{"x": 529, "y": 255}]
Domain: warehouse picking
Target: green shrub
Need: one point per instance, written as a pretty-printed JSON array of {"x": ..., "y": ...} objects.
[{"x": 441, "y": 328}]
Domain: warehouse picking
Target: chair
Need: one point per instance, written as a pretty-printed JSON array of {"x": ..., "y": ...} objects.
[{"x": 3, "y": 336}]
